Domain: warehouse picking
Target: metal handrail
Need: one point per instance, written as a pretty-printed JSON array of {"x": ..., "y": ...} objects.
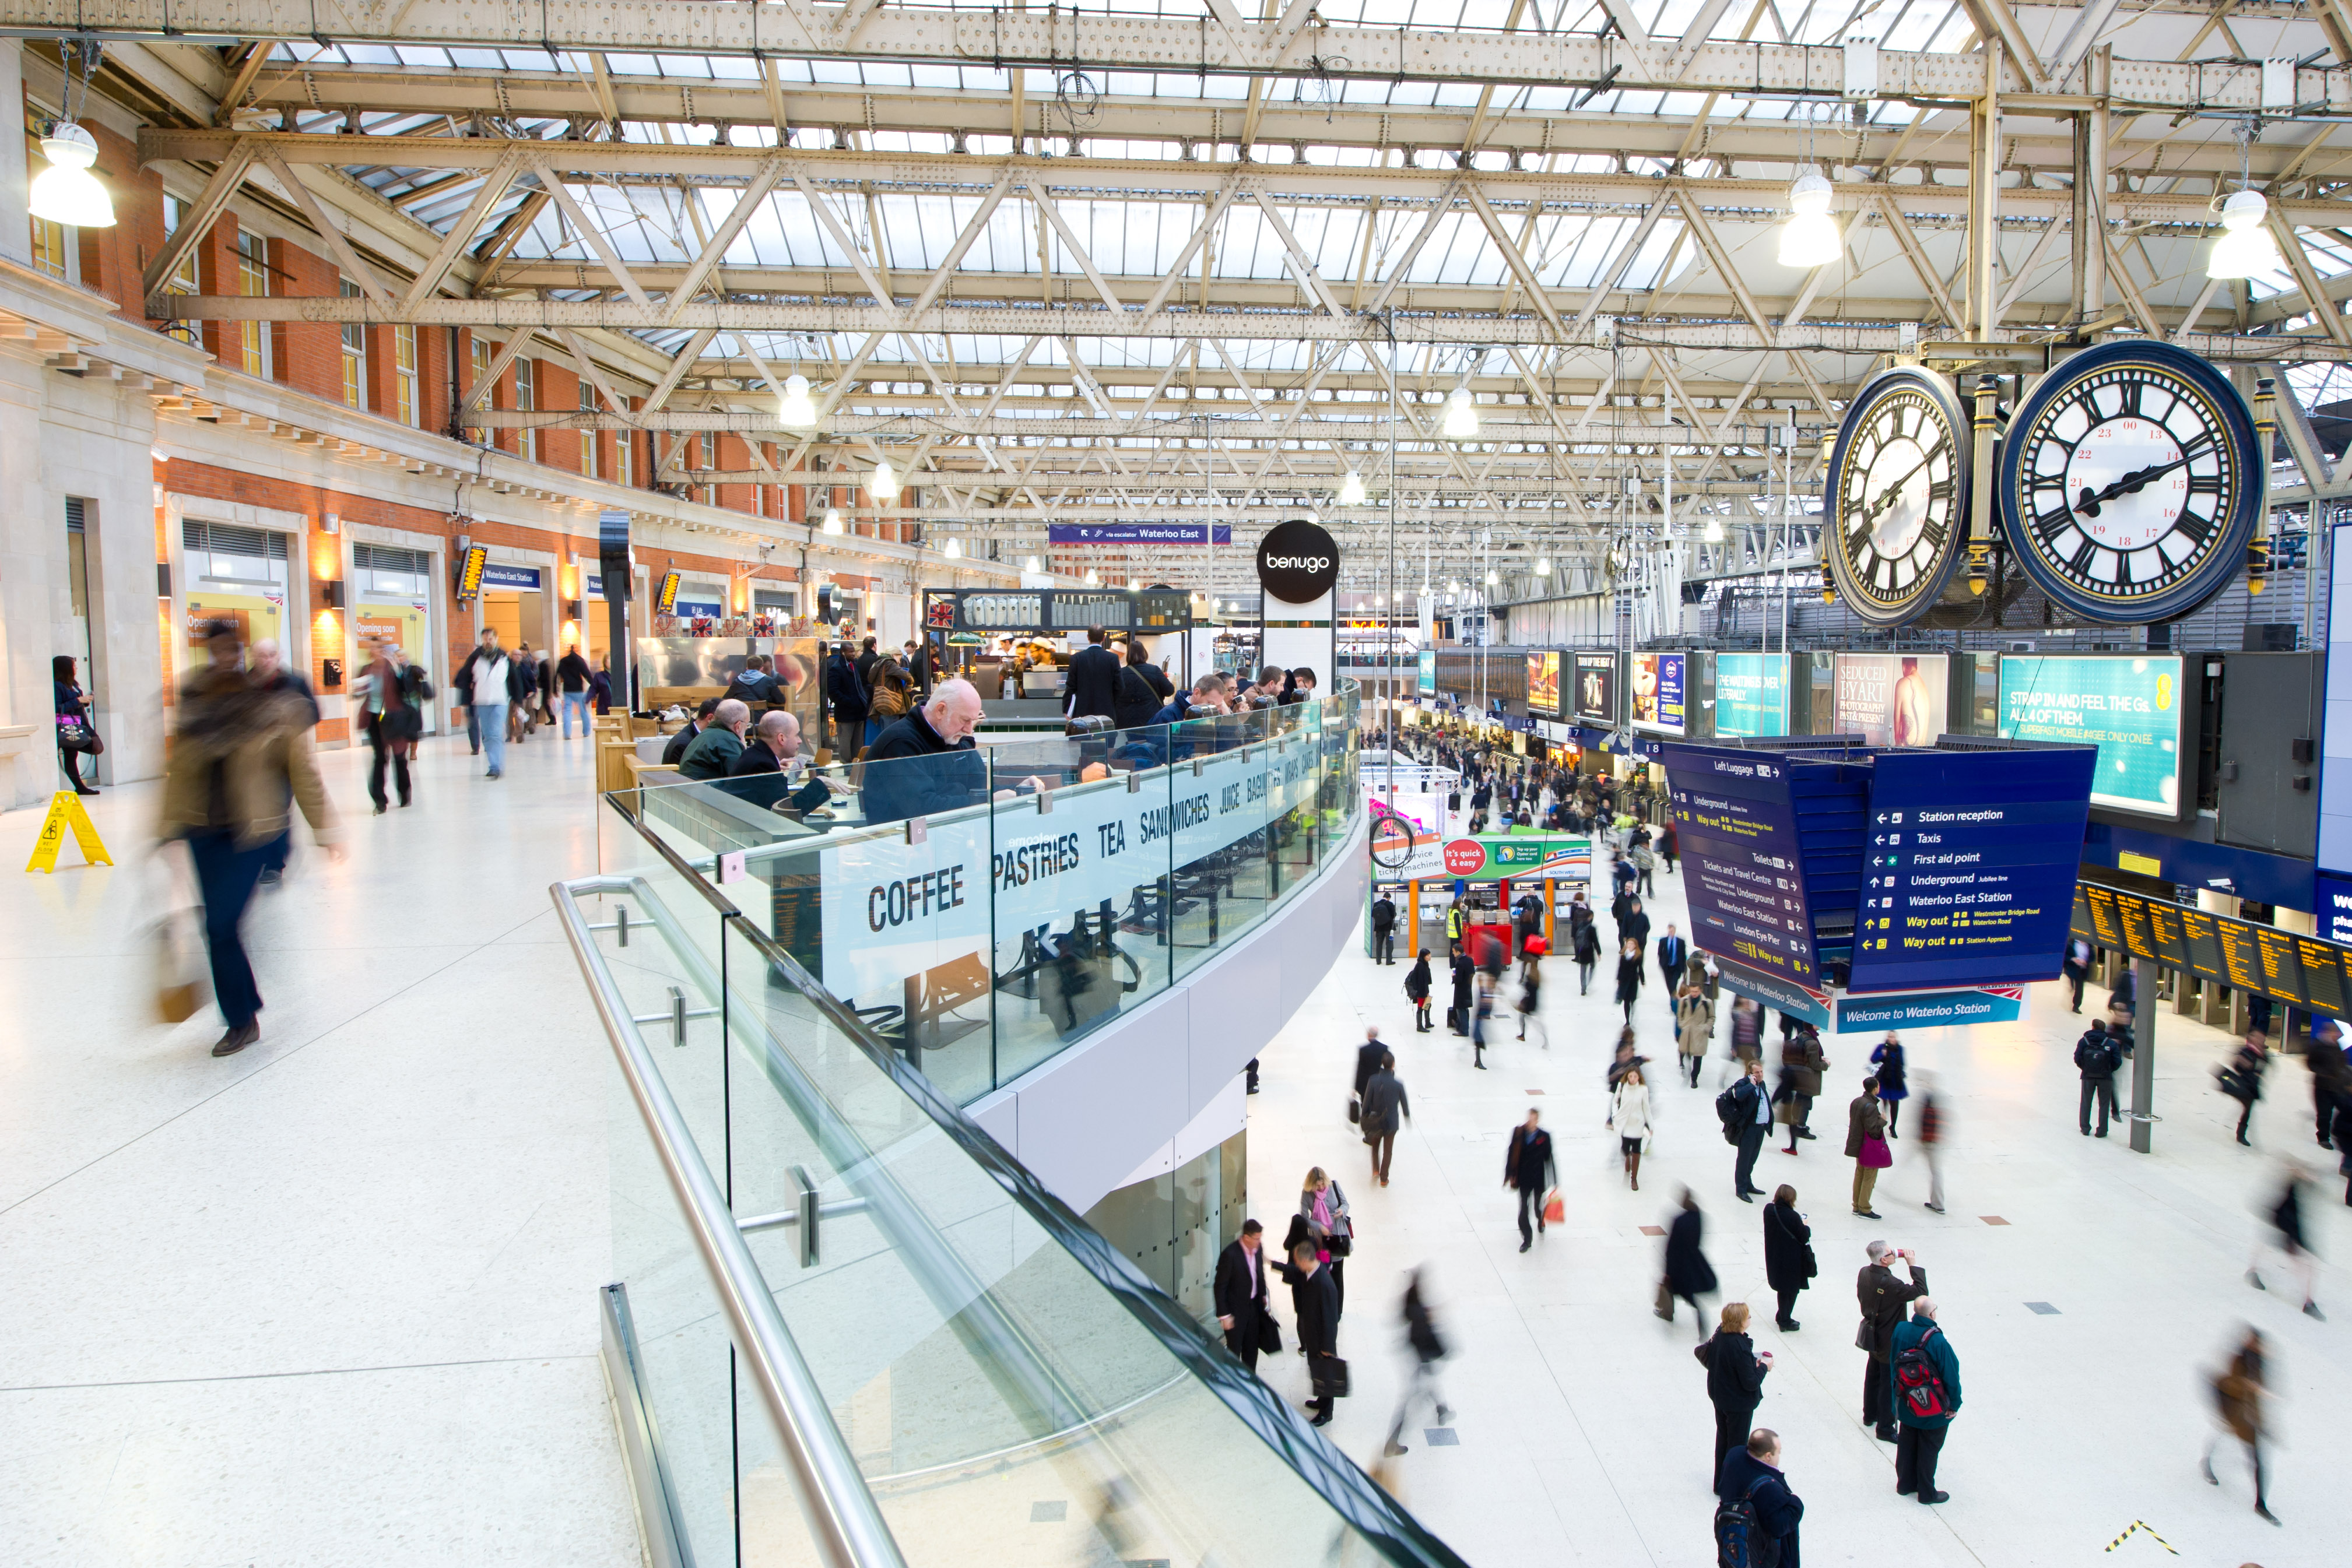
[{"x": 845, "y": 1521}]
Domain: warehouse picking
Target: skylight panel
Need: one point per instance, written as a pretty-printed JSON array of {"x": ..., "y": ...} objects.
[{"x": 632, "y": 65}]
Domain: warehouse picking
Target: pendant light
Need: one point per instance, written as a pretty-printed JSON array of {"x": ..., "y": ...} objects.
[
  {"x": 1809, "y": 238},
  {"x": 1714, "y": 534},
  {"x": 953, "y": 549},
  {"x": 1461, "y": 414},
  {"x": 883, "y": 484},
  {"x": 796, "y": 408},
  {"x": 1031, "y": 566},
  {"x": 1543, "y": 566},
  {"x": 1352, "y": 489},
  {"x": 67, "y": 192},
  {"x": 2244, "y": 249},
  {"x": 1093, "y": 580},
  {"x": 833, "y": 520}
]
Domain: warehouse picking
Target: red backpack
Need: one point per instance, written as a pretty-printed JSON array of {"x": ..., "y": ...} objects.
[{"x": 1919, "y": 1382}]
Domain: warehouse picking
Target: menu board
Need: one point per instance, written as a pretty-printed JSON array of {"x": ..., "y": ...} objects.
[
  {"x": 2307, "y": 972},
  {"x": 1969, "y": 869},
  {"x": 1743, "y": 867}
]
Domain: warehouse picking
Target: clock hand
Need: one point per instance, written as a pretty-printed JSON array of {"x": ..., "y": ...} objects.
[
  {"x": 2131, "y": 484},
  {"x": 1892, "y": 493}
]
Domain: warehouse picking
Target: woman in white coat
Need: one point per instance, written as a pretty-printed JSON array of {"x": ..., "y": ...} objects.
[{"x": 1631, "y": 1115}]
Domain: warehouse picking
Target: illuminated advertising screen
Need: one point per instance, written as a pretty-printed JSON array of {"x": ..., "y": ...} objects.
[
  {"x": 1891, "y": 699},
  {"x": 1595, "y": 694},
  {"x": 1752, "y": 694},
  {"x": 1543, "y": 682},
  {"x": 1658, "y": 692},
  {"x": 1428, "y": 683},
  {"x": 2128, "y": 708}
]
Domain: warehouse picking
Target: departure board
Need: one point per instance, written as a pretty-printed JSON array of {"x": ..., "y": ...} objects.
[
  {"x": 1744, "y": 877},
  {"x": 1969, "y": 865},
  {"x": 2305, "y": 972}
]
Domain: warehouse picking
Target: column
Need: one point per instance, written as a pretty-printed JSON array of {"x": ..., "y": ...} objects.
[{"x": 2143, "y": 1082}]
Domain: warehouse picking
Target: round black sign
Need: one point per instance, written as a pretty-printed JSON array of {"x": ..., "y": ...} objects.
[{"x": 1297, "y": 562}]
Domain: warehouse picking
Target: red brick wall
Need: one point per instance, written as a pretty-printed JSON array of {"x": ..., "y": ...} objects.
[{"x": 306, "y": 355}]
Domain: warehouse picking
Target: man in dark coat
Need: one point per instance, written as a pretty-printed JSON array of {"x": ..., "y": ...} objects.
[
  {"x": 1754, "y": 1105},
  {"x": 1752, "y": 1474},
  {"x": 1528, "y": 1165},
  {"x": 845, "y": 695},
  {"x": 1386, "y": 1109},
  {"x": 1368, "y": 1060},
  {"x": 714, "y": 752},
  {"x": 1883, "y": 1298},
  {"x": 1241, "y": 1292},
  {"x": 1735, "y": 1386},
  {"x": 946, "y": 771},
  {"x": 1319, "y": 1325},
  {"x": 1091, "y": 686},
  {"x": 1673, "y": 953},
  {"x": 2096, "y": 1057},
  {"x": 1634, "y": 926},
  {"x": 1802, "y": 1064},
  {"x": 1384, "y": 914},
  {"x": 675, "y": 748},
  {"x": 1688, "y": 1274},
  {"x": 1464, "y": 973}
]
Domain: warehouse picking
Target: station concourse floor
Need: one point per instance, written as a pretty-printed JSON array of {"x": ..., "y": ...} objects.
[
  {"x": 2084, "y": 1322},
  {"x": 331, "y": 1300}
]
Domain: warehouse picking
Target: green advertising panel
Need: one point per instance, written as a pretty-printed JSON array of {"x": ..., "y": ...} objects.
[
  {"x": 2128, "y": 708},
  {"x": 1428, "y": 673},
  {"x": 1752, "y": 694}
]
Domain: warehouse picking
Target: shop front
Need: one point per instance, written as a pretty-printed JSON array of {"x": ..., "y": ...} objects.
[
  {"x": 514, "y": 604},
  {"x": 241, "y": 575},
  {"x": 391, "y": 602}
]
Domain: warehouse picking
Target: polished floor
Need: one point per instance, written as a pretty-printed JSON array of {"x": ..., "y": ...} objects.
[
  {"x": 2084, "y": 1287},
  {"x": 330, "y": 1301}
]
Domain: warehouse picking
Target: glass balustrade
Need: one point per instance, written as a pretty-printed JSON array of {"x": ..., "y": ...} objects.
[{"x": 983, "y": 909}]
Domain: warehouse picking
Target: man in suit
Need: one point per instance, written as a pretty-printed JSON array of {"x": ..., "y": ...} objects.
[
  {"x": 771, "y": 762},
  {"x": 1241, "y": 1292},
  {"x": 1883, "y": 1298},
  {"x": 1384, "y": 914},
  {"x": 1092, "y": 685},
  {"x": 1673, "y": 953},
  {"x": 1528, "y": 1165},
  {"x": 1633, "y": 925},
  {"x": 675, "y": 749},
  {"x": 1368, "y": 1058},
  {"x": 1318, "y": 1325}
]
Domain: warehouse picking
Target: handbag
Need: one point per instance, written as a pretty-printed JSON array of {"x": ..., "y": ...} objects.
[
  {"x": 1330, "y": 1376},
  {"x": 1355, "y": 1109},
  {"x": 1863, "y": 1339},
  {"x": 1875, "y": 1156},
  {"x": 1269, "y": 1334}
]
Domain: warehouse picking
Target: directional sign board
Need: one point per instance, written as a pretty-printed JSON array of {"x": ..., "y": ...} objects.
[
  {"x": 1745, "y": 868},
  {"x": 1968, "y": 873}
]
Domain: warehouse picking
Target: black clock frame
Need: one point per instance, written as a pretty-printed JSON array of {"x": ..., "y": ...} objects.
[
  {"x": 2222, "y": 563},
  {"x": 1938, "y": 575}
]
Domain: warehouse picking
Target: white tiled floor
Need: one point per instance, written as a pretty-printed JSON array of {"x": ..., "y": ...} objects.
[
  {"x": 332, "y": 1300},
  {"x": 1583, "y": 1422}
]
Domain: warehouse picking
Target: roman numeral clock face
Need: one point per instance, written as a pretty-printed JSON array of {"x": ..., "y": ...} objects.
[
  {"x": 2129, "y": 483},
  {"x": 1899, "y": 482}
]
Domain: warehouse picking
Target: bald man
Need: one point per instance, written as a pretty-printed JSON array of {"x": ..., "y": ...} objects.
[
  {"x": 772, "y": 759},
  {"x": 928, "y": 761}
]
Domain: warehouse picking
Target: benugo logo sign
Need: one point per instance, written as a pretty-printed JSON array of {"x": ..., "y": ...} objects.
[{"x": 1297, "y": 562}]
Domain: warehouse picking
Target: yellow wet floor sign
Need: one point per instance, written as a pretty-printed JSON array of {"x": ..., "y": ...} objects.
[{"x": 66, "y": 813}]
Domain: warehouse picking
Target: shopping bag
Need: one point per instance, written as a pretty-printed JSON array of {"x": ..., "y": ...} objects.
[
  {"x": 1555, "y": 1208},
  {"x": 184, "y": 982}
]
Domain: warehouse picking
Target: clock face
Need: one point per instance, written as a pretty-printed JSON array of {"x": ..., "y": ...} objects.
[
  {"x": 1898, "y": 496},
  {"x": 2130, "y": 483}
]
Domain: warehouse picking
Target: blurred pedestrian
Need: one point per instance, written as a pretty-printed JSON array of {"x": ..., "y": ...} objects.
[
  {"x": 1416, "y": 990},
  {"x": 2331, "y": 1076},
  {"x": 1584, "y": 943},
  {"x": 1802, "y": 1064},
  {"x": 1694, "y": 1027},
  {"x": 1629, "y": 976},
  {"x": 2238, "y": 1389},
  {"x": 1457, "y": 1016},
  {"x": 2076, "y": 969},
  {"x": 2241, "y": 1077},
  {"x": 1674, "y": 953},
  {"x": 1735, "y": 1381},
  {"x": 2096, "y": 1057},
  {"x": 1428, "y": 1350},
  {"x": 1530, "y": 1000},
  {"x": 1385, "y": 1110},
  {"x": 269, "y": 672},
  {"x": 1865, "y": 1145},
  {"x": 1789, "y": 1264},
  {"x": 1528, "y": 1169},
  {"x": 1688, "y": 1275},
  {"x": 1747, "y": 1030},
  {"x": 2287, "y": 1233},
  {"x": 1935, "y": 1130},
  {"x": 488, "y": 684},
  {"x": 1756, "y": 1517},
  {"x": 1630, "y": 1115},
  {"x": 1927, "y": 1396},
  {"x": 1241, "y": 1293},
  {"x": 239, "y": 756},
  {"x": 1892, "y": 1089},
  {"x": 1883, "y": 1298},
  {"x": 1482, "y": 1013},
  {"x": 1368, "y": 1061}
]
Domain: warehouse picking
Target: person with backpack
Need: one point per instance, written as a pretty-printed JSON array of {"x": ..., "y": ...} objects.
[
  {"x": 1735, "y": 1381},
  {"x": 1926, "y": 1374},
  {"x": 2097, "y": 1056},
  {"x": 1755, "y": 1514},
  {"x": 1416, "y": 991},
  {"x": 889, "y": 694},
  {"x": 1746, "y": 1112}
]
